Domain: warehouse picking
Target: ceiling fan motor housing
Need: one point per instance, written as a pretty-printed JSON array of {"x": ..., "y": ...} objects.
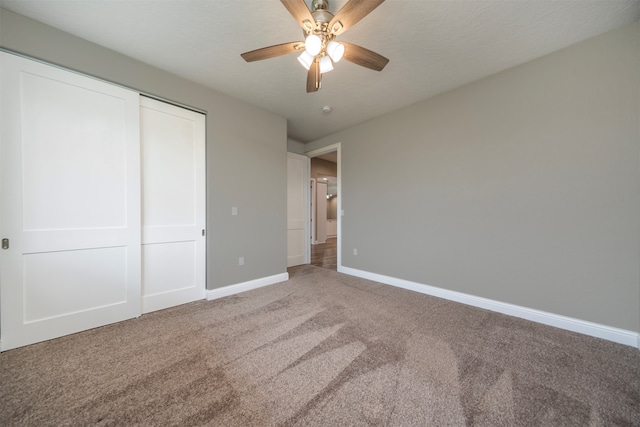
[{"x": 321, "y": 14}]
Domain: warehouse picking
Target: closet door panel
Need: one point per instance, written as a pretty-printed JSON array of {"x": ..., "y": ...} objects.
[
  {"x": 70, "y": 203},
  {"x": 165, "y": 277},
  {"x": 74, "y": 156},
  {"x": 78, "y": 287},
  {"x": 173, "y": 205}
]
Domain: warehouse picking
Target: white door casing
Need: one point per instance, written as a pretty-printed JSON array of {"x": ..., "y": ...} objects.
[
  {"x": 297, "y": 211},
  {"x": 70, "y": 203},
  {"x": 337, "y": 147},
  {"x": 173, "y": 205}
]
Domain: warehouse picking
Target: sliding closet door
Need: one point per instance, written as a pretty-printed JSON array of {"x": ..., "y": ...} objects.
[
  {"x": 173, "y": 205},
  {"x": 70, "y": 203}
]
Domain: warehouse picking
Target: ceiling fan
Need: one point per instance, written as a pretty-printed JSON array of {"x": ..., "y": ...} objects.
[{"x": 319, "y": 51}]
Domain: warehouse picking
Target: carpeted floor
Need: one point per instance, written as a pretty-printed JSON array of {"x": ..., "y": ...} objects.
[{"x": 322, "y": 349}]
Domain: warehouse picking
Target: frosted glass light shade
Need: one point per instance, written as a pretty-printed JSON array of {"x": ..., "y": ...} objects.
[
  {"x": 313, "y": 44},
  {"x": 325, "y": 64},
  {"x": 305, "y": 59},
  {"x": 335, "y": 50}
]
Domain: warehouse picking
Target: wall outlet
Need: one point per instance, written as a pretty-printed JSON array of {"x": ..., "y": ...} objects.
[
  {"x": 355, "y": 251},
  {"x": 234, "y": 211},
  {"x": 241, "y": 260}
]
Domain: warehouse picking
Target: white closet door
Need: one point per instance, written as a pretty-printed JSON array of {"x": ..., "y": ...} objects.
[
  {"x": 173, "y": 205},
  {"x": 70, "y": 203}
]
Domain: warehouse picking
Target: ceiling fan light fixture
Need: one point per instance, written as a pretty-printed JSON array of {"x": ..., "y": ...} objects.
[
  {"x": 305, "y": 59},
  {"x": 319, "y": 50},
  {"x": 335, "y": 50},
  {"x": 313, "y": 44},
  {"x": 325, "y": 65}
]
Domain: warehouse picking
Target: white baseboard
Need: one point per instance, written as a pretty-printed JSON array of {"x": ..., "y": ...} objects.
[
  {"x": 620, "y": 336},
  {"x": 246, "y": 286}
]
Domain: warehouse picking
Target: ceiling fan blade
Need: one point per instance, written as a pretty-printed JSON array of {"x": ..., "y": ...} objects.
[
  {"x": 272, "y": 51},
  {"x": 364, "y": 57},
  {"x": 351, "y": 13},
  {"x": 301, "y": 13},
  {"x": 313, "y": 77}
]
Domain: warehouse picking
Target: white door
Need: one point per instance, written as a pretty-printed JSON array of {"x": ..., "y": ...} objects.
[
  {"x": 297, "y": 193},
  {"x": 70, "y": 203},
  {"x": 173, "y": 205}
]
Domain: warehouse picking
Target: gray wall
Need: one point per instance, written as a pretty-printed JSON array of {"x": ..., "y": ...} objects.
[
  {"x": 523, "y": 187},
  {"x": 295, "y": 147},
  {"x": 246, "y": 165}
]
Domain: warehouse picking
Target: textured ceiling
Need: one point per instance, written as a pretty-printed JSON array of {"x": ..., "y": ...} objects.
[{"x": 433, "y": 46}]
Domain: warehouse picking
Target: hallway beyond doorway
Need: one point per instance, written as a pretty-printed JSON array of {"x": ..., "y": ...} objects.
[{"x": 325, "y": 255}]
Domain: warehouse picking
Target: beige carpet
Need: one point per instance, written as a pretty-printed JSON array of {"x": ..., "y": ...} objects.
[{"x": 322, "y": 349}]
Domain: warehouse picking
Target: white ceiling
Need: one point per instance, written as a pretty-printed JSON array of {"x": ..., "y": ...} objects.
[{"x": 433, "y": 46}]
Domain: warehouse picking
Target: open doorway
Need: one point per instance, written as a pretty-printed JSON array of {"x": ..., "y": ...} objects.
[{"x": 325, "y": 207}]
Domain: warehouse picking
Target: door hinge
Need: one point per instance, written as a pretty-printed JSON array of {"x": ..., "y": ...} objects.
[
  {"x": 5, "y": 243},
  {"x": 203, "y": 231}
]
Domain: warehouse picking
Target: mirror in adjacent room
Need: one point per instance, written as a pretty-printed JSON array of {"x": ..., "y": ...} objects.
[{"x": 332, "y": 195}]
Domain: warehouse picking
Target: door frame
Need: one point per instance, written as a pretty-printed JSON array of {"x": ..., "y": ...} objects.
[{"x": 337, "y": 147}]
